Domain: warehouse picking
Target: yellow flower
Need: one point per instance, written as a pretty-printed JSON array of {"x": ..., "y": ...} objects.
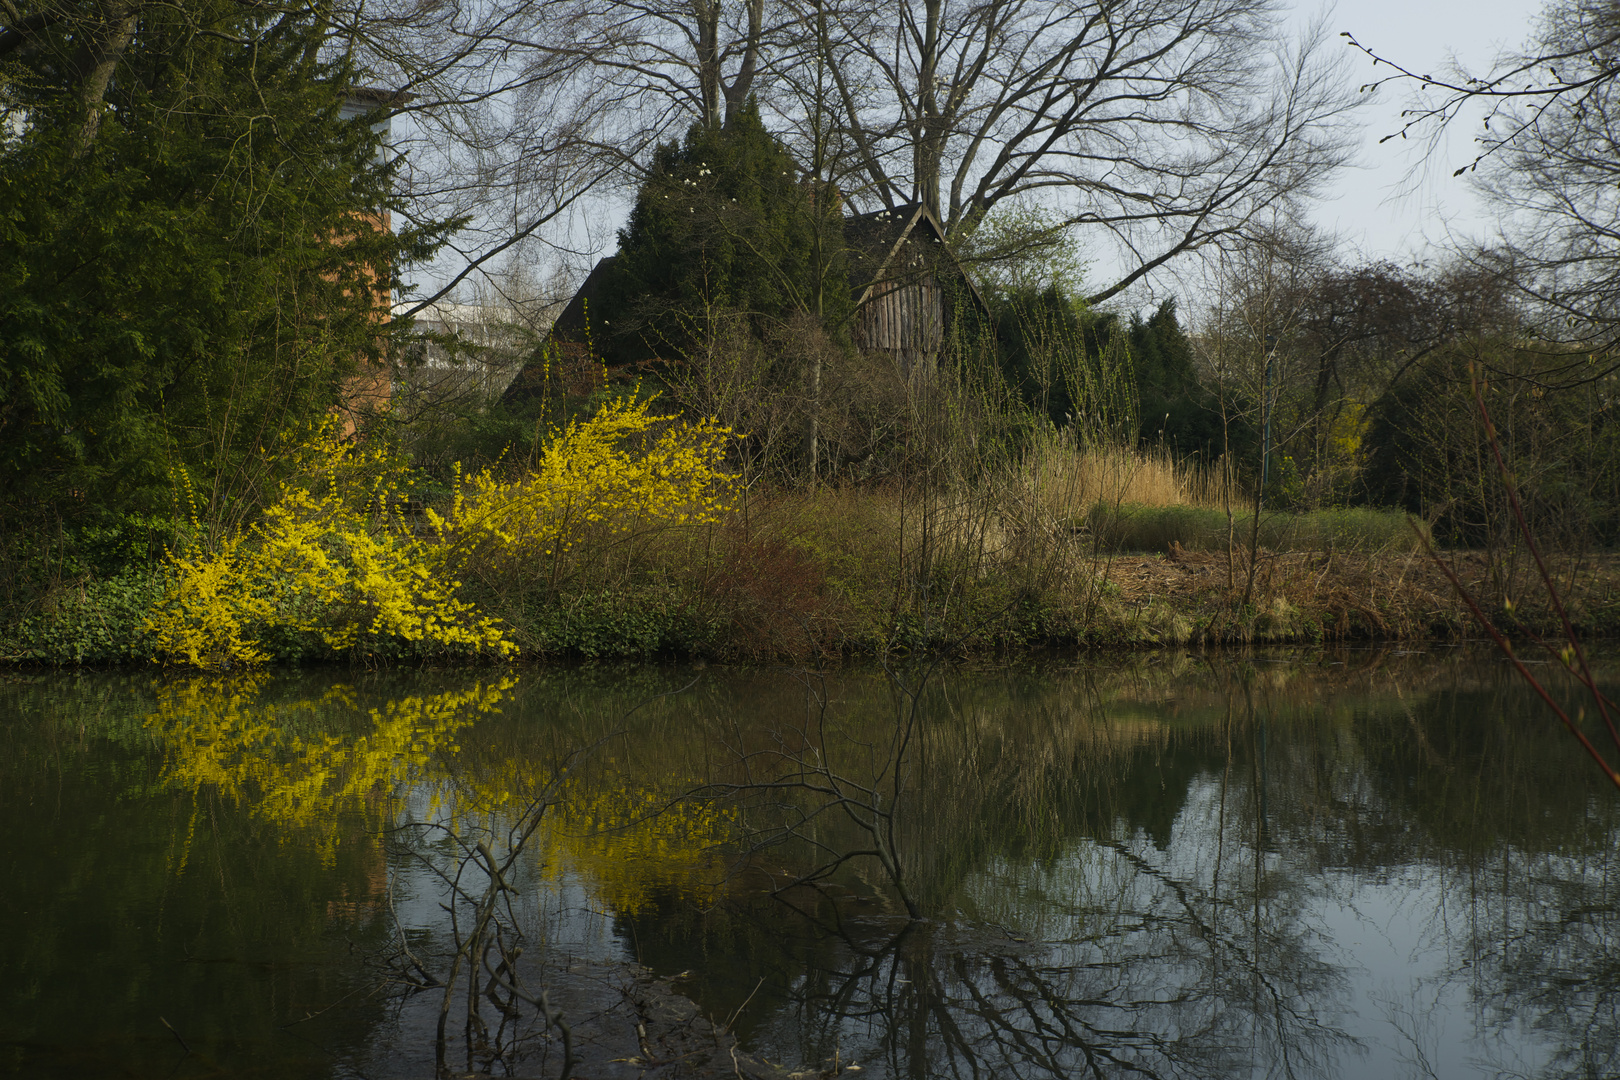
[
  {"x": 334, "y": 555},
  {"x": 622, "y": 471}
]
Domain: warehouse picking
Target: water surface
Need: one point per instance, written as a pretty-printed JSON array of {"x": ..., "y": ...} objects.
[{"x": 1352, "y": 864}]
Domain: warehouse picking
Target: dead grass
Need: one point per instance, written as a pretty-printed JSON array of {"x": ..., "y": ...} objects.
[
  {"x": 1065, "y": 480},
  {"x": 1338, "y": 596},
  {"x": 1129, "y": 499},
  {"x": 900, "y": 571},
  {"x": 996, "y": 567}
]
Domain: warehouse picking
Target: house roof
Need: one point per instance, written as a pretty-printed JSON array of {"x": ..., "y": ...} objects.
[
  {"x": 573, "y": 323},
  {"x": 876, "y": 241},
  {"x": 572, "y": 327}
]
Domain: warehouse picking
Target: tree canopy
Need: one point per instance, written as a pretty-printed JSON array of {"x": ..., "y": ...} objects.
[
  {"x": 1157, "y": 128},
  {"x": 193, "y": 254},
  {"x": 723, "y": 223},
  {"x": 1545, "y": 157}
]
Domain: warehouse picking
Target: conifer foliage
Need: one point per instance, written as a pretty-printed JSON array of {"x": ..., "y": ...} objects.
[
  {"x": 723, "y": 222},
  {"x": 1173, "y": 405},
  {"x": 192, "y": 256}
]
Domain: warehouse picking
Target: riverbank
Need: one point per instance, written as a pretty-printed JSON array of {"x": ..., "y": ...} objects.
[
  {"x": 762, "y": 599},
  {"x": 1320, "y": 597},
  {"x": 614, "y": 550},
  {"x": 1122, "y": 601}
]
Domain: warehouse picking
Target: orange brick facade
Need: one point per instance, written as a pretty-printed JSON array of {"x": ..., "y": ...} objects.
[{"x": 370, "y": 391}]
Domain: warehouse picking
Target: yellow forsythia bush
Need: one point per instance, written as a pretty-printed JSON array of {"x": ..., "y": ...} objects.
[
  {"x": 332, "y": 556},
  {"x": 622, "y": 471}
]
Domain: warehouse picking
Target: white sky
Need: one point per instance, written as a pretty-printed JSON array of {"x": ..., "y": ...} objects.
[{"x": 1397, "y": 202}]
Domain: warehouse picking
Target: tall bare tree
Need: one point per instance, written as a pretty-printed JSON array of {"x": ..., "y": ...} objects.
[
  {"x": 1163, "y": 125},
  {"x": 1546, "y": 157},
  {"x": 1166, "y": 125},
  {"x": 1556, "y": 177}
]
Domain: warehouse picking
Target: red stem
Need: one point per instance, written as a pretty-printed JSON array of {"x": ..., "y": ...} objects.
[{"x": 1507, "y": 650}]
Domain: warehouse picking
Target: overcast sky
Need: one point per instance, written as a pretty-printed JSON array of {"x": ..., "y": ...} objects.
[
  {"x": 1397, "y": 201},
  {"x": 1385, "y": 208}
]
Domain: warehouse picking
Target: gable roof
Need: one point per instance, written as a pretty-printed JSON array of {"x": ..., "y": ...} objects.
[
  {"x": 573, "y": 324},
  {"x": 876, "y": 242}
]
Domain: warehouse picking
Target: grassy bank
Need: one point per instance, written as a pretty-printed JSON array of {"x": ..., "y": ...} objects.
[
  {"x": 840, "y": 573},
  {"x": 606, "y": 551},
  {"x": 834, "y": 573}
]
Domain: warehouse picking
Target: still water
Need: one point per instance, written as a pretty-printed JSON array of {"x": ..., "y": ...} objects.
[{"x": 1329, "y": 865}]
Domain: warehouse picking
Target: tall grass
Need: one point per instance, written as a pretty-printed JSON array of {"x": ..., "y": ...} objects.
[
  {"x": 1065, "y": 479},
  {"x": 1144, "y": 499}
]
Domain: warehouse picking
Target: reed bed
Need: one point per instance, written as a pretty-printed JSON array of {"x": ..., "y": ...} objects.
[
  {"x": 1066, "y": 479},
  {"x": 1145, "y": 500}
]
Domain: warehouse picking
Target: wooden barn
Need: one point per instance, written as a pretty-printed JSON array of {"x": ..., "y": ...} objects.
[{"x": 908, "y": 284}]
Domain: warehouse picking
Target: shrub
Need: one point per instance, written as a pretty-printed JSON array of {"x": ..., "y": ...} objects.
[
  {"x": 334, "y": 557},
  {"x": 623, "y": 474},
  {"x": 95, "y": 620}
]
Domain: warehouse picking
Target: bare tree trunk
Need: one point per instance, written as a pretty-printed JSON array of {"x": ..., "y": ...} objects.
[
  {"x": 97, "y": 60},
  {"x": 743, "y": 85},
  {"x": 929, "y": 126},
  {"x": 707, "y": 13}
]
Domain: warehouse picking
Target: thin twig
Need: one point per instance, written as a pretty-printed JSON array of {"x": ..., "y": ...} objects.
[
  {"x": 744, "y": 1005},
  {"x": 1573, "y": 646},
  {"x": 175, "y": 1033}
]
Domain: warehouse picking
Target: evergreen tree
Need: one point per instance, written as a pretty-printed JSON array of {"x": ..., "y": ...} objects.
[
  {"x": 191, "y": 261},
  {"x": 1066, "y": 361},
  {"x": 1073, "y": 364},
  {"x": 723, "y": 223},
  {"x": 1173, "y": 404}
]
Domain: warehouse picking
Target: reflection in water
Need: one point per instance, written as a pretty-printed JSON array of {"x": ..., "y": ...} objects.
[
  {"x": 1248, "y": 872},
  {"x": 1180, "y": 867},
  {"x": 443, "y": 816},
  {"x": 287, "y": 763}
]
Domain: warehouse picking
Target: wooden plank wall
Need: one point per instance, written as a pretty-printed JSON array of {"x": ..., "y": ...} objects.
[{"x": 905, "y": 320}]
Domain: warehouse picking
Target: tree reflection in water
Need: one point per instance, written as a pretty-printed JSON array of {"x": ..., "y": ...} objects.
[
  {"x": 1175, "y": 867},
  {"x": 1251, "y": 871},
  {"x": 1162, "y": 982}
]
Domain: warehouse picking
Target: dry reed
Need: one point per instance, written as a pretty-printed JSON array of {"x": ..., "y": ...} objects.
[{"x": 1066, "y": 480}]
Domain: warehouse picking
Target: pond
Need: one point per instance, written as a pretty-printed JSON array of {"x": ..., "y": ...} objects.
[{"x": 1346, "y": 864}]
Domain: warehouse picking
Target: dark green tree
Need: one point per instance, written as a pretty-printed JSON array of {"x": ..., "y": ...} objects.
[
  {"x": 1074, "y": 364},
  {"x": 1171, "y": 402},
  {"x": 193, "y": 248},
  {"x": 1426, "y": 449},
  {"x": 724, "y": 223},
  {"x": 1064, "y": 360}
]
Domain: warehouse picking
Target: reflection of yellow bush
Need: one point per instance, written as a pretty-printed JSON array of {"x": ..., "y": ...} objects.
[
  {"x": 307, "y": 766},
  {"x": 632, "y": 844},
  {"x": 332, "y": 556},
  {"x": 621, "y": 471},
  {"x": 219, "y": 735}
]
